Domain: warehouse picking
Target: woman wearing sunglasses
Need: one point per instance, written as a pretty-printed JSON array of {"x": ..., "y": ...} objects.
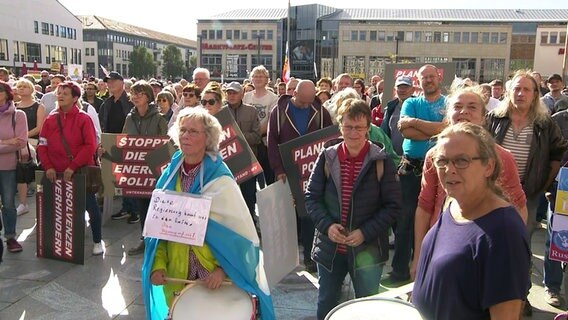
[
  {"x": 212, "y": 98},
  {"x": 189, "y": 99}
]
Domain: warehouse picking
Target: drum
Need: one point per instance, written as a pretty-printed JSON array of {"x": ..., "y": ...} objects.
[
  {"x": 374, "y": 308},
  {"x": 228, "y": 302}
]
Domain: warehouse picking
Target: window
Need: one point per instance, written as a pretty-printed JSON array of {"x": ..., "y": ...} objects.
[
  {"x": 491, "y": 69},
  {"x": 261, "y": 34},
  {"x": 4, "y": 50},
  {"x": 437, "y": 36},
  {"x": 87, "y": 52},
  {"x": 44, "y": 28},
  {"x": 30, "y": 52},
  {"x": 93, "y": 52},
  {"x": 457, "y": 37},
  {"x": 445, "y": 37},
  {"x": 212, "y": 62},
  {"x": 485, "y": 37},
  {"x": 562, "y": 37},
  {"x": 381, "y": 36},
  {"x": 211, "y": 34},
  {"x": 417, "y": 36},
  {"x": 428, "y": 36},
  {"x": 390, "y": 36},
  {"x": 36, "y": 27},
  {"x": 474, "y": 37},
  {"x": 362, "y": 35},
  {"x": 543, "y": 37},
  {"x": 51, "y": 29},
  {"x": 57, "y": 30},
  {"x": 553, "y": 38},
  {"x": 408, "y": 36},
  {"x": 62, "y": 31},
  {"x": 465, "y": 37},
  {"x": 354, "y": 35},
  {"x": 254, "y": 34},
  {"x": 203, "y": 34},
  {"x": 465, "y": 67},
  {"x": 244, "y": 35},
  {"x": 236, "y": 34},
  {"x": 265, "y": 60},
  {"x": 503, "y": 37},
  {"x": 354, "y": 65},
  {"x": 269, "y": 35},
  {"x": 229, "y": 34},
  {"x": 219, "y": 34},
  {"x": 373, "y": 35},
  {"x": 494, "y": 37}
]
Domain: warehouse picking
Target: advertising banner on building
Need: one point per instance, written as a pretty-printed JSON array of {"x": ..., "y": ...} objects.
[
  {"x": 235, "y": 150},
  {"x": 447, "y": 71},
  {"x": 61, "y": 218},
  {"x": 131, "y": 164},
  {"x": 299, "y": 158}
]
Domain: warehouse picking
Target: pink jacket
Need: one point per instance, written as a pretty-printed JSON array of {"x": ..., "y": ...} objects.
[{"x": 8, "y": 152}]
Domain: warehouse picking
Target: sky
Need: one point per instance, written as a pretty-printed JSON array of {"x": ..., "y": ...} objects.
[{"x": 179, "y": 18}]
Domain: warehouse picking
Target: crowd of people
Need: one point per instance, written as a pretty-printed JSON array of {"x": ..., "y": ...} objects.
[{"x": 461, "y": 177}]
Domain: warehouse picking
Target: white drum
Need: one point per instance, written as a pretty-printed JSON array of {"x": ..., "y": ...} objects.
[
  {"x": 374, "y": 308},
  {"x": 226, "y": 303}
]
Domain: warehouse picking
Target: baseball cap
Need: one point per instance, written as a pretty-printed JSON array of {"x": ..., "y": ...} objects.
[
  {"x": 555, "y": 77},
  {"x": 156, "y": 83},
  {"x": 113, "y": 76},
  {"x": 234, "y": 86},
  {"x": 403, "y": 80}
]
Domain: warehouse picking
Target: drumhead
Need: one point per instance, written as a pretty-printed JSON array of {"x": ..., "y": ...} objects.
[
  {"x": 374, "y": 309},
  {"x": 199, "y": 302}
]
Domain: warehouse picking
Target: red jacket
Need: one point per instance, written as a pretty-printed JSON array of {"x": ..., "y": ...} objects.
[{"x": 80, "y": 135}]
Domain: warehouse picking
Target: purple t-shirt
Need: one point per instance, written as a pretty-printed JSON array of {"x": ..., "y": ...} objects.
[{"x": 465, "y": 268}]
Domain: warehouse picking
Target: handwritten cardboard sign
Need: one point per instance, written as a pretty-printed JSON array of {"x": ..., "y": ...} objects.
[{"x": 176, "y": 216}]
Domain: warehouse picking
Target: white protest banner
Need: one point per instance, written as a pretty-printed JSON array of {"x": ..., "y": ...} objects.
[
  {"x": 176, "y": 216},
  {"x": 278, "y": 226}
]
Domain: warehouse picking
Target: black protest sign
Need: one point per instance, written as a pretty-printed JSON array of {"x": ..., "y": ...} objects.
[
  {"x": 299, "y": 158},
  {"x": 132, "y": 164},
  {"x": 235, "y": 150},
  {"x": 61, "y": 218}
]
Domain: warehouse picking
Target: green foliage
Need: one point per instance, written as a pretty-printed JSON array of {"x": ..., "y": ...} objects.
[
  {"x": 173, "y": 63},
  {"x": 142, "y": 65}
]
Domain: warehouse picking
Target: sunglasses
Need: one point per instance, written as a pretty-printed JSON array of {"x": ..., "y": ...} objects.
[
  {"x": 210, "y": 102},
  {"x": 188, "y": 94},
  {"x": 162, "y": 100}
]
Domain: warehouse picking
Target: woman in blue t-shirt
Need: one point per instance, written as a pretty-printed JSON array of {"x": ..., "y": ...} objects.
[{"x": 475, "y": 261}]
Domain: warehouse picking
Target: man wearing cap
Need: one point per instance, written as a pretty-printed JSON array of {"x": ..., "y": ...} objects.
[
  {"x": 246, "y": 117},
  {"x": 112, "y": 115},
  {"x": 404, "y": 90},
  {"x": 555, "y": 85},
  {"x": 49, "y": 99}
]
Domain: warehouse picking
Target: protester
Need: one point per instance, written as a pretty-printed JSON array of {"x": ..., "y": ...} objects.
[
  {"x": 90, "y": 96},
  {"x": 49, "y": 99},
  {"x": 201, "y": 77},
  {"x": 67, "y": 143},
  {"x": 359, "y": 86},
  {"x": 165, "y": 101},
  {"x": 212, "y": 98},
  {"x": 143, "y": 120},
  {"x": 475, "y": 261},
  {"x": 231, "y": 248},
  {"x": 12, "y": 138},
  {"x": 404, "y": 90},
  {"x": 323, "y": 96},
  {"x": 324, "y": 84},
  {"x": 353, "y": 197}
]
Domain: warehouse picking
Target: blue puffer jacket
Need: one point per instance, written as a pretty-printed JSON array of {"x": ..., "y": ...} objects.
[{"x": 374, "y": 206}]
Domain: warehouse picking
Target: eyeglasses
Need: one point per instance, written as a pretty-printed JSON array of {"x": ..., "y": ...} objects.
[
  {"x": 137, "y": 94},
  {"x": 188, "y": 94},
  {"x": 210, "y": 102},
  {"x": 354, "y": 128},
  {"x": 162, "y": 100},
  {"x": 192, "y": 133},
  {"x": 461, "y": 162}
]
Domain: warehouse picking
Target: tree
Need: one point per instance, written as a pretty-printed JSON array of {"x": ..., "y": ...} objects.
[
  {"x": 141, "y": 63},
  {"x": 173, "y": 63}
]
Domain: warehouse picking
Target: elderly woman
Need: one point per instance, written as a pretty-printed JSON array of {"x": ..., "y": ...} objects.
[
  {"x": 231, "y": 248},
  {"x": 143, "y": 120},
  {"x": 464, "y": 105},
  {"x": 475, "y": 261},
  {"x": 353, "y": 197},
  {"x": 35, "y": 115},
  {"x": 13, "y": 136},
  {"x": 67, "y": 143},
  {"x": 212, "y": 98},
  {"x": 165, "y": 102}
]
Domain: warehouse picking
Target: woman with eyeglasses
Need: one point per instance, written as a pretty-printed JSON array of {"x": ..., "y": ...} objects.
[
  {"x": 165, "y": 102},
  {"x": 212, "y": 98},
  {"x": 464, "y": 105},
  {"x": 353, "y": 198},
  {"x": 143, "y": 120},
  {"x": 189, "y": 99},
  {"x": 475, "y": 261}
]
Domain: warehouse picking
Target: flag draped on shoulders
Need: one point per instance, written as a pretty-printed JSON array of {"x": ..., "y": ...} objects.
[{"x": 231, "y": 236}]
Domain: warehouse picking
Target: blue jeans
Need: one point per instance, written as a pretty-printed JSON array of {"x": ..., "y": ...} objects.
[
  {"x": 129, "y": 205},
  {"x": 552, "y": 269},
  {"x": 404, "y": 230},
  {"x": 365, "y": 282},
  {"x": 8, "y": 196},
  {"x": 94, "y": 216}
]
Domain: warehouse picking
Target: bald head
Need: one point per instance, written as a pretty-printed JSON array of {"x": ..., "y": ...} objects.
[
  {"x": 305, "y": 93},
  {"x": 430, "y": 80}
]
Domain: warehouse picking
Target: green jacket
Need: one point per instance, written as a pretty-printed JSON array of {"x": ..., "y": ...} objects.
[
  {"x": 151, "y": 124},
  {"x": 377, "y": 134}
]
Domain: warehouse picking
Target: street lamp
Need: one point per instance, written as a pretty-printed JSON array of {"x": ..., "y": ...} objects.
[
  {"x": 199, "y": 39},
  {"x": 396, "y": 49},
  {"x": 334, "y": 38},
  {"x": 15, "y": 56},
  {"x": 258, "y": 50}
]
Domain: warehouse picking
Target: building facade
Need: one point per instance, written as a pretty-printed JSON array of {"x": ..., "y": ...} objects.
[
  {"x": 109, "y": 43},
  {"x": 326, "y": 41},
  {"x": 33, "y": 40},
  {"x": 550, "y": 49}
]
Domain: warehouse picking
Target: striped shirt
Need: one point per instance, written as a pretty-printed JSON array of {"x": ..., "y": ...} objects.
[
  {"x": 350, "y": 168},
  {"x": 520, "y": 146}
]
